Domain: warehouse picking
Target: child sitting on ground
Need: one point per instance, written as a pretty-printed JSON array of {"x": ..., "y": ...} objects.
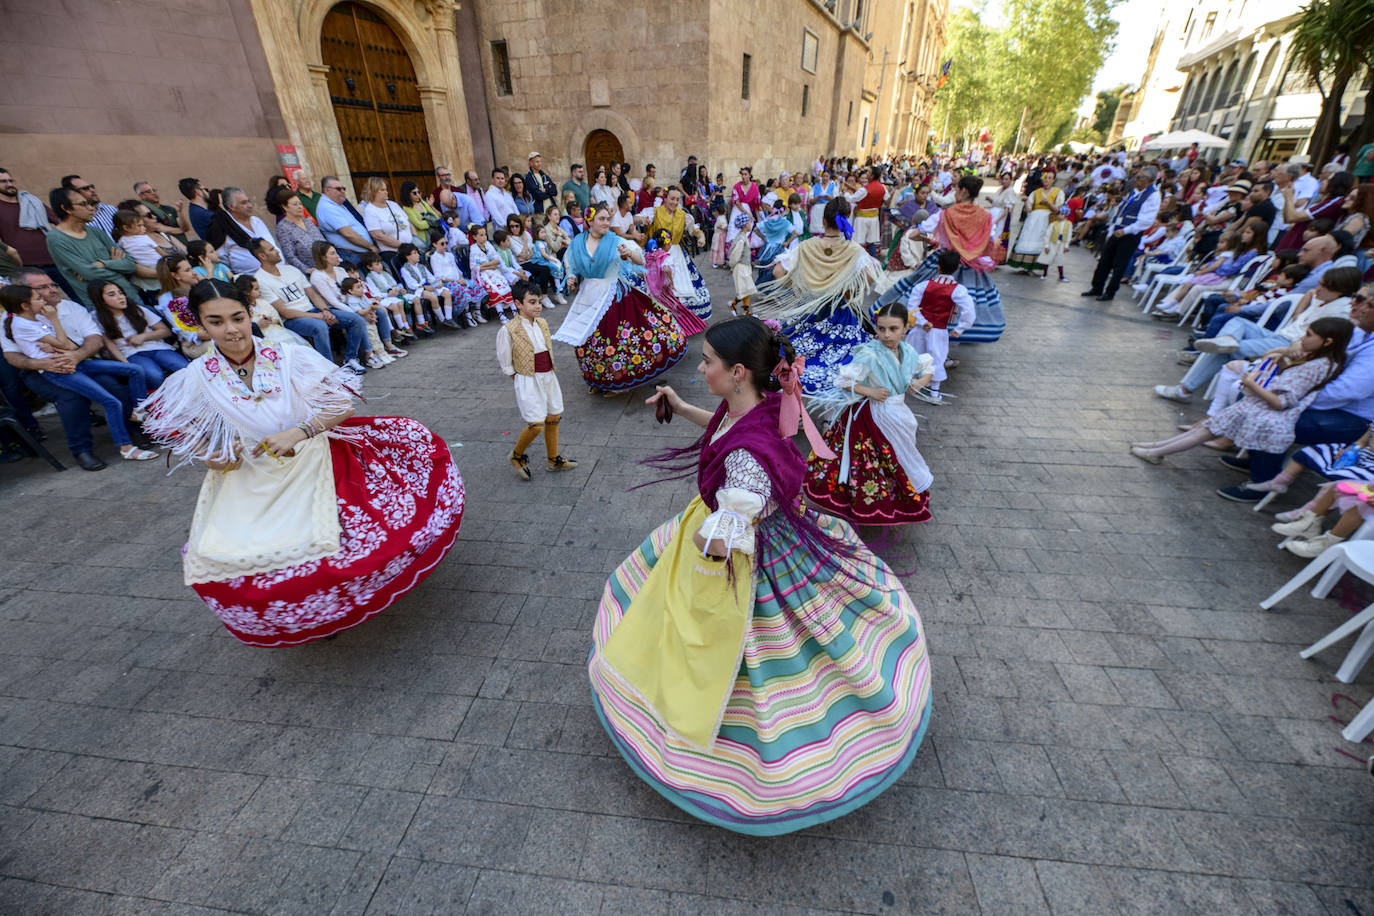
[{"x": 524, "y": 349}]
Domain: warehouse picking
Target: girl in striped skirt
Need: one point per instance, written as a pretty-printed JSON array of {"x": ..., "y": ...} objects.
[{"x": 752, "y": 660}]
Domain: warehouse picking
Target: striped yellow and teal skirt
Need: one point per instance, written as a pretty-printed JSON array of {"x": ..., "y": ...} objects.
[{"x": 824, "y": 700}]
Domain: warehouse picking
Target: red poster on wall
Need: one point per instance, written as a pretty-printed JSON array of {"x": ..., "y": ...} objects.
[{"x": 290, "y": 162}]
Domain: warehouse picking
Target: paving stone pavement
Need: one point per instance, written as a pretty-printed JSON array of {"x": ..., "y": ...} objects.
[{"x": 1117, "y": 726}]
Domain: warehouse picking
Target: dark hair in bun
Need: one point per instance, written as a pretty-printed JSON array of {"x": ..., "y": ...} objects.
[
  {"x": 834, "y": 209},
  {"x": 752, "y": 344},
  {"x": 892, "y": 310},
  {"x": 208, "y": 290}
]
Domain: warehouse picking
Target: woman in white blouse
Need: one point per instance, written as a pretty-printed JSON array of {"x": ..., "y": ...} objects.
[
  {"x": 386, "y": 222},
  {"x": 325, "y": 279},
  {"x": 602, "y": 191}
]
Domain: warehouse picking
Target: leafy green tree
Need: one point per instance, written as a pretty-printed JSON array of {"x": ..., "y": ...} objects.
[
  {"x": 1104, "y": 113},
  {"x": 1333, "y": 40},
  {"x": 1026, "y": 77}
]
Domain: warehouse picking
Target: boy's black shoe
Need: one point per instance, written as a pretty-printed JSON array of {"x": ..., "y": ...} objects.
[
  {"x": 561, "y": 464},
  {"x": 521, "y": 463},
  {"x": 426, "y": 331},
  {"x": 1235, "y": 463}
]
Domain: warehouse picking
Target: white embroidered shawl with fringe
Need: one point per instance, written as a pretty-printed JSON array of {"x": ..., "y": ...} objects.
[
  {"x": 269, "y": 513},
  {"x": 827, "y": 272}
]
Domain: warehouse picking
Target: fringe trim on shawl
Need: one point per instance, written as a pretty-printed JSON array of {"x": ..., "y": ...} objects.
[
  {"x": 183, "y": 417},
  {"x": 787, "y": 299}
]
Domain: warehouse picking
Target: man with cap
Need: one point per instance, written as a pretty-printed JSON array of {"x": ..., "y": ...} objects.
[
  {"x": 540, "y": 186},
  {"x": 1133, "y": 216}
]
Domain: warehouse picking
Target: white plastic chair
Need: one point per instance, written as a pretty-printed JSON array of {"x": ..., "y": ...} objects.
[
  {"x": 1359, "y": 653},
  {"x": 1355, "y": 556}
]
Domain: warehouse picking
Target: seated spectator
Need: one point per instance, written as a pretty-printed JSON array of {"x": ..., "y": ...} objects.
[
  {"x": 104, "y": 213},
  {"x": 1259, "y": 206},
  {"x": 623, "y": 220},
  {"x": 386, "y": 222},
  {"x": 1217, "y": 308},
  {"x": 325, "y": 278},
  {"x": 1341, "y": 412},
  {"x": 40, "y": 329},
  {"x": 552, "y": 234},
  {"x": 1277, "y": 389},
  {"x": 83, "y": 251},
  {"x": 197, "y": 205},
  {"x": 131, "y": 236},
  {"x": 167, "y": 244},
  {"x": 302, "y": 309},
  {"x": 477, "y": 200},
  {"x": 232, "y": 230},
  {"x": 383, "y": 289},
  {"x": 341, "y": 224},
  {"x": 176, "y": 276},
  {"x": 205, "y": 261},
  {"x": 169, "y": 221},
  {"x": 602, "y": 191},
  {"x": 135, "y": 334},
  {"x": 1299, "y": 211},
  {"x": 1244, "y": 337},
  {"x": 522, "y": 249},
  {"x": 1358, "y": 208},
  {"x": 24, "y": 223},
  {"x": 467, "y": 294},
  {"x": 423, "y": 288},
  {"x": 296, "y": 231},
  {"x": 1241, "y": 250},
  {"x": 274, "y": 184},
  {"x": 73, "y": 410},
  {"x": 425, "y": 222},
  {"x": 264, "y": 317},
  {"x": 572, "y": 222},
  {"x": 305, "y": 190}
]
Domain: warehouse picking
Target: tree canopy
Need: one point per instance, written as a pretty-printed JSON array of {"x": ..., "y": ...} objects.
[{"x": 1027, "y": 75}]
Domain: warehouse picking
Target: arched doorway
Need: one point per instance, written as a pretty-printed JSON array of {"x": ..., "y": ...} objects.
[
  {"x": 601, "y": 148},
  {"x": 376, "y": 100}
]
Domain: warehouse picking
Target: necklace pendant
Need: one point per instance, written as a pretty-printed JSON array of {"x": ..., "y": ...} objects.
[{"x": 242, "y": 371}]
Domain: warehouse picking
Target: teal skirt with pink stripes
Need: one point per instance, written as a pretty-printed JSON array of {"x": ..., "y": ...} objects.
[{"x": 829, "y": 706}]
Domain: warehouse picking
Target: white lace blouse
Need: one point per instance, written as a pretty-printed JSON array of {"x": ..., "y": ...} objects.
[{"x": 745, "y": 497}]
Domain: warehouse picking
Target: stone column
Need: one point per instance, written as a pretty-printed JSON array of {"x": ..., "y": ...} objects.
[
  {"x": 310, "y": 126},
  {"x": 446, "y": 113}
]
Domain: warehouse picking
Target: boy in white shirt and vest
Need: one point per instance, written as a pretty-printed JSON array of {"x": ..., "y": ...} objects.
[
  {"x": 524, "y": 348},
  {"x": 938, "y": 309}
]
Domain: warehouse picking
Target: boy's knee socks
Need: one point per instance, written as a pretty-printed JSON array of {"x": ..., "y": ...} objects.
[
  {"x": 551, "y": 435},
  {"x": 527, "y": 436}
]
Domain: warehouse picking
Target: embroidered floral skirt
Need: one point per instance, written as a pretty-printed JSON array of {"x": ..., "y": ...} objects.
[
  {"x": 400, "y": 502},
  {"x": 878, "y": 491},
  {"x": 466, "y": 293},
  {"x": 636, "y": 341}
]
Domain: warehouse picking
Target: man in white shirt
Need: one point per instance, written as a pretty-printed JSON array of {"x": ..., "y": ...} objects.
[
  {"x": 235, "y": 251},
  {"x": 301, "y": 308},
  {"x": 1305, "y": 184},
  {"x": 1132, "y": 217},
  {"x": 73, "y": 410},
  {"x": 500, "y": 203}
]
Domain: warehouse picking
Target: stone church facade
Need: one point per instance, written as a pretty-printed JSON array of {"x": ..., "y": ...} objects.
[{"x": 230, "y": 90}]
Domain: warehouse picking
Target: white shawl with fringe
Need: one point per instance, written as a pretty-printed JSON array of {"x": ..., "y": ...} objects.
[
  {"x": 824, "y": 272},
  {"x": 269, "y": 513}
]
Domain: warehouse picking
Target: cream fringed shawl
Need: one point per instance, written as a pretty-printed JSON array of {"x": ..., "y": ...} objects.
[
  {"x": 827, "y": 272},
  {"x": 269, "y": 513}
]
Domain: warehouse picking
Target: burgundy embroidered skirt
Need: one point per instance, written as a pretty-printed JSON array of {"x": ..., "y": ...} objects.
[
  {"x": 878, "y": 491},
  {"x": 400, "y": 502},
  {"x": 636, "y": 341}
]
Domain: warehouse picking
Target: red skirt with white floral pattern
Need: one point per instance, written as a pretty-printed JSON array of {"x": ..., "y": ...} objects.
[
  {"x": 878, "y": 491},
  {"x": 400, "y": 503},
  {"x": 637, "y": 340}
]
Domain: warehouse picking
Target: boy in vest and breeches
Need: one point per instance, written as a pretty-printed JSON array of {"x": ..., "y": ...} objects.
[
  {"x": 939, "y": 308},
  {"x": 524, "y": 349}
]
